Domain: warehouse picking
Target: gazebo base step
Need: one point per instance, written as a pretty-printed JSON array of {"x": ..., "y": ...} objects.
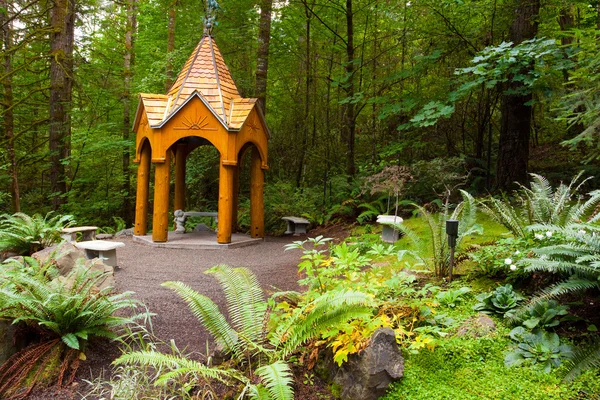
[{"x": 199, "y": 241}]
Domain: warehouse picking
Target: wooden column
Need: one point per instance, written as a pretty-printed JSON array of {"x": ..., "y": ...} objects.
[
  {"x": 225, "y": 211},
  {"x": 141, "y": 198},
  {"x": 180, "y": 162},
  {"x": 160, "y": 228},
  {"x": 236, "y": 196},
  {"x": 257, "y": 184}
]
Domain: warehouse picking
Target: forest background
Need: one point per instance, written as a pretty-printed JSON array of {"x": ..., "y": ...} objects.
[{"x": 469, "y": 93}]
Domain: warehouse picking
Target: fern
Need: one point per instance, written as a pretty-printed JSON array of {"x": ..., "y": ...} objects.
[
  {"x": 24, "y": 234},
  {"x": 541, "y": 204},
  {"x": 278, "y": 380},
  {"x": 177, "y": 366},
  {"x": 584, "y": 358},
  {"x": 209, "y": 315},
  {"x": 439, "y": 251}
]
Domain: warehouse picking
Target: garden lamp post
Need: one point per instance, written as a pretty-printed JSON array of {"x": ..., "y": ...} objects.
[{"x": 452, "y": 232}]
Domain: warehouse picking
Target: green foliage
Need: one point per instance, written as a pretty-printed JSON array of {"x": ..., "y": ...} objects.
[
  {"x": 502, "y": 257},
  {"x": 70, "y": 308},
  {"x": 247, "y": 338},
  {"x": 544, "y": 314},
  {"x": 24, "y": 234},
  {"x": 542, "y": 349},
  {"x": 576, "y": 257},
  {"x": 541, "y": 204},
  {"x": 473, "y": 369},
  {"x": 465, "y": 212},
  {"x": 584, "y": 358},
  {"x": 500, "y": 301},
  {"x": 452, "y": 297}
]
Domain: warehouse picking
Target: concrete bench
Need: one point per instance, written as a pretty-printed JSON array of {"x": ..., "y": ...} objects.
[
  {"x": 105, "y": 250},
  {"x": 390, "y": 233},
  {"x": 181, "y": 216},
  {"x": 87, "y": 233},
  {"x": 295, "y": 225}
]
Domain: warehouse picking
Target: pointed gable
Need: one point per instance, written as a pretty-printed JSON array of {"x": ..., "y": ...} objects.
[{"x": 205, "y": 72}]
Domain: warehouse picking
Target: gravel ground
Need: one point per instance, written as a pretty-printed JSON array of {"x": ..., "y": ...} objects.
[{"x": 143, "y": 268}]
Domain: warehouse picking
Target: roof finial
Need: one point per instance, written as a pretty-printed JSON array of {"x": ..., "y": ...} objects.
[{"x": 210, "y": 17}]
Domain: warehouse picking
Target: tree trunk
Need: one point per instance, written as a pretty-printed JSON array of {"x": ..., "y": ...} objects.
[
  {"x": 7, "y": 103},
  {"x": 349, "y": 120},
  {"x": 128, "y": 62},
  {"x": 62, "y": 19},
  {"x": 262, "y": 64},
  {"x": 513, "y": 152},
  {"x": 171, "y": 44},
  {"x": 307, "y": 84}
]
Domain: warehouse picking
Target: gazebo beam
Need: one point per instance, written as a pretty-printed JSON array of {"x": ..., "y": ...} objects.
[
  {"x": 160, "y": 228},
  {"x": 225, "y": 211},
  {"x": 141, "y": 200},
  {"x": 257, "y": 184},
  {"x": 180, "y": 166}
]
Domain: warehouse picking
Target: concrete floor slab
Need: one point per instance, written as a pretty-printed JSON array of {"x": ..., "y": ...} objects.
[{"x": 199, "y": 241}]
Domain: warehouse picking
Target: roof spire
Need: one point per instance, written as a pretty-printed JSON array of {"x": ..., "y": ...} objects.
[{"x": 210, "y": 17}]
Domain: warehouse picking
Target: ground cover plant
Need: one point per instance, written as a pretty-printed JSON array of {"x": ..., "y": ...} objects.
[{"x": 63, "y": 312}]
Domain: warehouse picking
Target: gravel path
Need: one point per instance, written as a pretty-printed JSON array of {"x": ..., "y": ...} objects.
[{"x": 143, "y": 268}]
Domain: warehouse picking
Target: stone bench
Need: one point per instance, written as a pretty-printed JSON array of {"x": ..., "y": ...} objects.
[
  {"x": 87, "y": 233},
  {"x": 295, "y": 225},
  {"x": 181, "y": 216},
  {"x": 103, "y": 249},
  {"x": 390, "y": 233}
]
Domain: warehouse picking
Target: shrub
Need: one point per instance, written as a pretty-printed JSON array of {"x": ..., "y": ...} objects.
[
  {"x": 541, "y": 204},
  {"x": 24, "y": 234},
  {"x": 66, "y": 312}
]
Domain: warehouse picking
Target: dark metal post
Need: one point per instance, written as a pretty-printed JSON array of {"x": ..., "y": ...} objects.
[{"x": 452, "y": 232}]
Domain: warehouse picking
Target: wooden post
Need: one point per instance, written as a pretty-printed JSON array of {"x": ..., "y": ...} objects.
[
  {"x": 257, "y": 184},
  {"x": 180, "y": 162},
  {"x": 160, "y": 228},
  {"x": 225, "y": 211},
  {"x": 236, "y": 196},
  {"x": 141, "y": 199}
]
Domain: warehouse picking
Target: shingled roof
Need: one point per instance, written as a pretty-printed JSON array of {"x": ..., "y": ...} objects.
[{"x": 204, "y": 74}]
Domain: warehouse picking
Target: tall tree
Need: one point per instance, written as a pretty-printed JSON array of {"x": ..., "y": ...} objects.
[
  {"x": 513, "y": 152},
  {"x": 262, "y": 64},
  {"x": 7, "y": 102},
  {"x": 171, "y": 43},
  {"x": 62, "y": 20},
  {"x": 349, "y": 112},
  {"x": 128, "y": 62}
]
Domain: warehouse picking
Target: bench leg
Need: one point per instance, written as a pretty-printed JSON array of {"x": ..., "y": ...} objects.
[
  {"x": 291, "y": 229},
  {"x": 300, "y": 229},
  {"x": 108, "y": 257}
]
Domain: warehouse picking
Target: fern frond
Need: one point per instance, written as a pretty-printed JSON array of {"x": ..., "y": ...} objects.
[
  {"x": 582, "y": 359},
  {"x": 177, "y": 366},
  {"x": 278, "y": 380},
  {"x": 208, "y": 314},
  {"x": 245, "y": 300}
]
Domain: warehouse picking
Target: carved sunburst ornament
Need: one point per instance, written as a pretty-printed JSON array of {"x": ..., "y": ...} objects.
[
  {"x": 253, "y": 125},
  {"x": 196, "y": 124}
]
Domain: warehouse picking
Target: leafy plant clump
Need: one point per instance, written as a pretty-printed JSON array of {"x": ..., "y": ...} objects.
[
  {"x": 540, "y": 348},
  {"x": 24, "y": 234},
  {"x": 258, "y": 355},
  {"x": 500, "y": 301},
  {"x": 66, "y": 312},
  {"x": 452, "y": 297},
  {"x": 544, "y": 314}
]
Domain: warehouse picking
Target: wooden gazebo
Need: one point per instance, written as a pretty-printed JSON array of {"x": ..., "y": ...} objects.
[{"x": 203, "y": 107}]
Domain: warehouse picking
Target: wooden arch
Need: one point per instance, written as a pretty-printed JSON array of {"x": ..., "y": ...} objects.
[{"x": 202, "y": 107}]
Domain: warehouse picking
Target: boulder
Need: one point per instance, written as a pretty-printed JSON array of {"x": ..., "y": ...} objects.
[
  {"x": 124, "y": 233},
  {"x": 477, "y": 326},
  {"x": 65, "y": 256},
  {"x": 367, "y": 375},
  {"x": 202, "y": 228}
]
